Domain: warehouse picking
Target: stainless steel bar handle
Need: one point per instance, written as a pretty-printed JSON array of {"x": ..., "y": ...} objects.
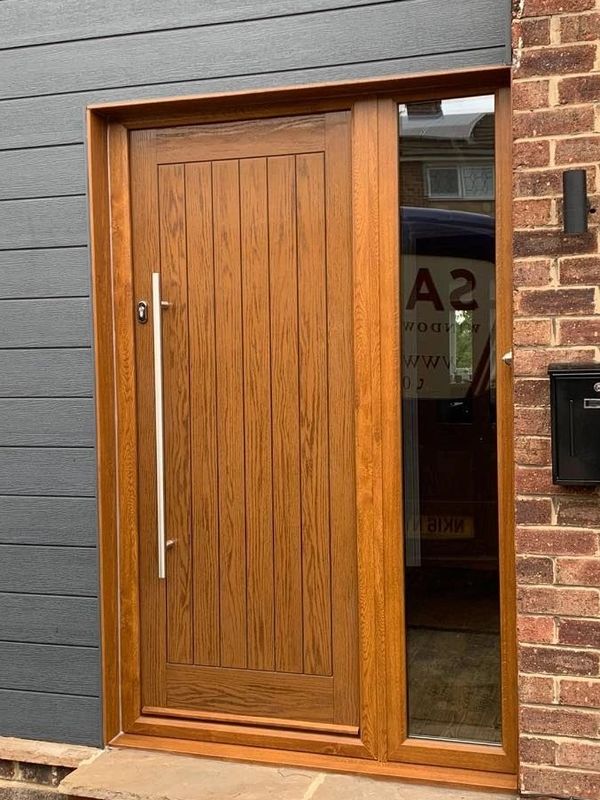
[{"x": 157, "y": 307}]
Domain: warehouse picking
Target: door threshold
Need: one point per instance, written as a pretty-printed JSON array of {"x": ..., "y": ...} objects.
[{"x": 147, "y": 751}]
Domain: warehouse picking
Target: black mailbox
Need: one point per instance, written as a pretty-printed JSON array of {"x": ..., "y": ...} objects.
[{"x": 575, "y": 404}]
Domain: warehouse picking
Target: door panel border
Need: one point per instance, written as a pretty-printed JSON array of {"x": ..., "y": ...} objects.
[{"x": 375, "y": 253}]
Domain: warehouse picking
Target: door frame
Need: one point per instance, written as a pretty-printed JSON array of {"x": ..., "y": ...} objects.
[{"x": 375, "y": 253}]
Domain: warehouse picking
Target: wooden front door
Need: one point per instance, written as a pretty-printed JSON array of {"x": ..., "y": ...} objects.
[{"x": 248, "y": 228}]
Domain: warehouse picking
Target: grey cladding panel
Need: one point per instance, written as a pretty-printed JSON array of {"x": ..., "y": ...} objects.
[
  {"x": 49, "y": 570},
  {"x": 55, "y": 272},
  {"x": 51, "y": 717},
  {"x": 45, "y": 619},
  {"x": 45, "y": 323},
  {"x": 308, "y": 41},
  {"x": 50, "y": 222},
  {"x": 66, "y": 422},
  {"x": 45, "y": 373},
  {"x": 42, "y": 173},
  {"x": 55, "y": 120},
  {"x": 48, "y": 520},
  {"x": 50, "y": 668},
  {"x": 47, "y": 472},
  {"x": 34, "y": 21}
]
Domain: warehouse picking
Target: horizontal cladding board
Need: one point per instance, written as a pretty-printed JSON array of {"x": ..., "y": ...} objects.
[
  {"x": 46, "y": 373},
  {"x": 54, "y": 272},
  {"x": 406, "y": 29},
  {"x": 59, "y": 119},
  {"x": 45, "y": 323},
  {"x": 25, "y": 22},
  {"x": 49, "y": 570},
  {"x": 42, "y": 173},
  {"x": 47, "y": 472},
  {"x": 65, "y": 521},
  {"x": 50, "y": 668},
  {"x": 48, "y": 421},
  {"x": 50, "y": 717},
  {"x": 47, "y": 619},
  {"x": 45, "y": 222}
]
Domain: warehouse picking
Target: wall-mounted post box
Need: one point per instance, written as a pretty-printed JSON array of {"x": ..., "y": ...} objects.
[{"x": 575, "y": 404}]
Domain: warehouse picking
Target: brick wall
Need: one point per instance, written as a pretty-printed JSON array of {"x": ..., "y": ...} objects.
[{"x": 556, "y": 97}]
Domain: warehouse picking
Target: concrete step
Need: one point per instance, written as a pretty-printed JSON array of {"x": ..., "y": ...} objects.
[{"x": 129, "y": 774}]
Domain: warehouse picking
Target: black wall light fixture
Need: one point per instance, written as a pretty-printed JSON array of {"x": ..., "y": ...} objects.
[{"x": 575, "y": 202}]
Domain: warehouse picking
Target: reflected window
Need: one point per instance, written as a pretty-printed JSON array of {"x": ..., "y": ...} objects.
[{"x": 449, "y": 419}]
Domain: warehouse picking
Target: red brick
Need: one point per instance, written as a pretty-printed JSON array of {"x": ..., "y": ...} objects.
[
  {"x": 533, "y": 511},
  {"x": 560, "y": 783},
  {"x": 550, "y": 600},
  {"x": 532, "y": 213},
  {"x": 557, "y": 541},
  {"x": 581, "y": 150},
  {"x": 537, "y": 751},
  {"x": 556, "y": 661},
  {"x": 529, "y": 95},
  {"x": 532, "y": 331},
  {"x": 582, "y": 755},
  {"x": 582, "y": 89},
  {"x": 582, "y": 270},
  {"x": 530, "y": 153},
  {"x": 534, "y": 362},
  {"x": 532, "y": 450},
  {"x": 556, "y": 60},
  {"x": 555, "y": 302},
  {"x": 535, "y": 32},
  {"x": 578, "y": 28},
  {"x": 543, "y": 8},
  {"x": 578, "y": 571},
  {"x": 579, "y": 693},
  {"x": 534, "y": 689},
  {"x": 536, "y": 630},
  {"x": 559, "y": 721},
  {"x": 552, "y": 122},
  {"x": 538, "y": 183},
  {"x": 534, "y": 480},
  {"x": 580, "y": 632},
  {"x": 578, "y": 512},
  {"x": 579, "y": 331},
  {"x": 535, "y": 569},
  {"x": 532, "y": 421},
  {"x": 531, "y": 392}
]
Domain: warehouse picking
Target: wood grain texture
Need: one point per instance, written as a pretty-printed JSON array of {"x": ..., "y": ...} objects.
[
  {"x": 268, "y": 694},
  {"x": 50, "y": 668},
  {"x": 47, "y": 619},
  {"x": 45, "y": 323},
  {"x": 56, "y": 471},
  {"x": 59, "y": 272},
  {"x": 24, "y": 22},
  {"x": 49, "y": 222},
  {"x": 69, "y": 521},
  {"x": 46, "y": 373},
  {"x": 43, "y": 172},
  {"x": 47, "y": 422},
  {"x": 230, "y": 413},
  {"x": 176, "y": 388},
  {"x": 314, "y": 455},
  {"x": 287, "y": 528},
  {"x": 50, "y": 717},
  {"x": 300, "y": 42},
  {"x": 49, "y": 570},
  {"x": 203, "y": 404}
]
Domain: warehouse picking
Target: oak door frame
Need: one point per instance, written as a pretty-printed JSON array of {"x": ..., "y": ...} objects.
[{"x": 113, "y": 302}]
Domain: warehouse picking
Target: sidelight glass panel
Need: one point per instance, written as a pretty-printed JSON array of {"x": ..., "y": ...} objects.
[{"x": 449, "y": 419}]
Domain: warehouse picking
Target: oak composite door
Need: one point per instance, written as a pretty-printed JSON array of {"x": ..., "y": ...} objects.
[{"x": 248, "y": 227}]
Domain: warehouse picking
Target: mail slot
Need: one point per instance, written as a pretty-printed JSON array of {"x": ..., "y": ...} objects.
[{"x": 575, "y": 405}]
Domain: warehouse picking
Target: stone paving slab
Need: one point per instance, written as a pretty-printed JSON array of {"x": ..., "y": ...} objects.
[{"x": 142, "y": 775}]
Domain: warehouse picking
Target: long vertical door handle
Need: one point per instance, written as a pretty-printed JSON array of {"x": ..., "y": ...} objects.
[{"x": 157, "y": 307}]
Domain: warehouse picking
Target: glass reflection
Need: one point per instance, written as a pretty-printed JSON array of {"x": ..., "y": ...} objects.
[{"x": 449, "y": 419}]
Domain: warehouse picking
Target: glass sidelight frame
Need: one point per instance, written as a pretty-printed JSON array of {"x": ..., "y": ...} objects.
[
  {"x": 381, "y": 746},
  {"x": 401, "y": 745}
]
